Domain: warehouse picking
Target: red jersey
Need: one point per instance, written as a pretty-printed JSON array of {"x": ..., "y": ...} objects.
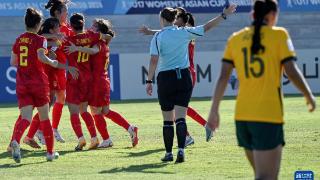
[
  {"x": 67, "y": 30},
  {"x": 191, "y": 55},
  {"x": 30, "y": 69},
  {"x": 100, "y": 87},
  {"x": 100, "y": 61},
  {"x": 80, "y": 59}
]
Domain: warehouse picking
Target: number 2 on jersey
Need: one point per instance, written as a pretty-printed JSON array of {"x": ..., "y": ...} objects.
[
  {"x": 23, "y": 56},
  {"x": 248, "y": 65}
]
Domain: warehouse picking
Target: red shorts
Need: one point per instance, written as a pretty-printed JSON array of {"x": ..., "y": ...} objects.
[
  {"x": 100, "y": 93},
  {"x": 35, "y": 95},
  {"x": 77, "y": 93},
  {"x": 57, "y": 78}
]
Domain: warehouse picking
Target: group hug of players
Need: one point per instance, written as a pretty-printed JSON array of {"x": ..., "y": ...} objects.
[
  {"x": 44, "y": 79},
  {"x": 40, "y": 55}
]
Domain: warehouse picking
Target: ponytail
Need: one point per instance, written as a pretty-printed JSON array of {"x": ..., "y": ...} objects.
[{"x": 261, "y": 9}]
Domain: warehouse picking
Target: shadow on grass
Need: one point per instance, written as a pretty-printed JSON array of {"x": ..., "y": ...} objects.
[
  {"x": 15, "y": 165},
  {"x": 143, "y": 168},
  {"x": 142, "y": 153},
  {"x": 36, "y": 153}
]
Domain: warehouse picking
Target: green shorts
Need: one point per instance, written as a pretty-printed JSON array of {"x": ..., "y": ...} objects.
[{"x": 259, "y": 135}]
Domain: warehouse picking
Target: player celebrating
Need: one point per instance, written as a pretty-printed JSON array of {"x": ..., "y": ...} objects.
[
  {"x": 57, "y": 77},
  {"x": 78, "y": 90},
  {"x": 50, "y": 26},
  {"x": 100, "y": 98},
  {"x": 259, "y": 62},
  {"x": 59, "y": 9},
  {"x": 100, "y": 95},
  {"x": 28, "y": 54}
]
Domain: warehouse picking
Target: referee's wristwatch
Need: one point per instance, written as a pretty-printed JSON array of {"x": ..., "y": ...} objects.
[
  {"x": 223, "y": 15},
  {"x": 148, "y": 81}
]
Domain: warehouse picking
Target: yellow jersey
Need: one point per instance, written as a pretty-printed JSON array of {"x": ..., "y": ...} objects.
[{"x": 260, "y": 95}]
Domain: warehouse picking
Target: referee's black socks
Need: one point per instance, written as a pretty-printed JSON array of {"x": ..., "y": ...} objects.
[
  {"x": 168, "y": 135},
  {"x": 181, "y": 130}
]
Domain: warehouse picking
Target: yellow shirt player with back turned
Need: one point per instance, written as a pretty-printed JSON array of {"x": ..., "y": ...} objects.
[
  {"x": 260, "y": 53},
  {"x": 260, "y": 95}
]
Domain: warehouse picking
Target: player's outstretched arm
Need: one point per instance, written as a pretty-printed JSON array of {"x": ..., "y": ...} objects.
[
  {"x": 295, "y": 75},
  {"x": 54, "y": 63},
  {"x": 73, "y": 48},
  {"x": 215, "y": 21},
  {"x": 147, "y": 31},
  {"x": 13, "y": 59},
  {"x": 214, "y": 119}
]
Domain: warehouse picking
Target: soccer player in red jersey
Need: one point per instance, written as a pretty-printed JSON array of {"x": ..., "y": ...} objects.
[
  {"x": 28, "y": 54},
  {"x": 102, "y": 82},
  {"x": 100, "y": 97},
  {"x": 50, "y": 26},
  {"x": 59, "y": 10},
  {"x": 78, "y": 90},
  {"x": 100, "y": 94},
  {"x": 57, "y": 77},
  {"x": 186, "y": 19}
]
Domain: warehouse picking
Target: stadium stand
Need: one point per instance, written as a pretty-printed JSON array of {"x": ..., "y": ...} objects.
[{"x": 302, "y": 28}]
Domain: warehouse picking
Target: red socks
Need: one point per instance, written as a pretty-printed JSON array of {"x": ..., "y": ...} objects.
[
  {"x": 35, "y": 124},
  {"x": 15, "y": 125},
  {"x": 89, "y": 123},
  {"x": 48, "y": 134},
  {"x": 19, "y": 128},
  {"x": 101, "y": 126},
  {"x": 76, "y": 125},
  {"x": 118, "y": 119},
  {"x": 195, "y": 116},
  {"x": 56, "y": 115}
]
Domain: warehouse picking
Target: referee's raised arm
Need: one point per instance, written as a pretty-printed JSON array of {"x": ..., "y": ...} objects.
[{"x": 223, "y": 16}]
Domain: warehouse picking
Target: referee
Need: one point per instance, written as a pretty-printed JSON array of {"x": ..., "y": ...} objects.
[{"x": 170, "y": 48}]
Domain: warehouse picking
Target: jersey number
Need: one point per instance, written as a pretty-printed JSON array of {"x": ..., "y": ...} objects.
[
  {"x": 249, "y": 70},
  {"x": 23, "y": 55},
  {"x": 82, "y": 57}
]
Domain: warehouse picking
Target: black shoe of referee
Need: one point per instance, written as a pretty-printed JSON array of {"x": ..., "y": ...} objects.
[
  {"x": 180, "y": 157},
  {"x": 167, "y": 157}
]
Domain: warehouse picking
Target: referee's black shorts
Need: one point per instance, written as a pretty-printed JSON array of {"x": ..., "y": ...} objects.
[{"x": 174, "y": 89}]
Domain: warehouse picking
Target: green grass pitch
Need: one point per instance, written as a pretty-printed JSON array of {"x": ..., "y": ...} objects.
[{"x": 219, "y": 159}]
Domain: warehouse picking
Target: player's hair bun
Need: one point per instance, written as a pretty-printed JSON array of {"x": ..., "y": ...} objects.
[
  {"x": 169, "y": 14},
  {"x": 77, "y": 21},
  {"x": 50, "y": 3},
  {"x": 32, "y": 17}
]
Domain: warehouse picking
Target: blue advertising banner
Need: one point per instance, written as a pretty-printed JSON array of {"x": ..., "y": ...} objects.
[
  {"x": 106, "y": 7},
  {"x": 194, "y": 6},
  {"x": 122, "y": 7},
  {"x": 114, "y": 75},
  {"x": 18, "y": 7},
  {"x": 300, "y": 5},
  {"x": 8, "y": 79}
]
